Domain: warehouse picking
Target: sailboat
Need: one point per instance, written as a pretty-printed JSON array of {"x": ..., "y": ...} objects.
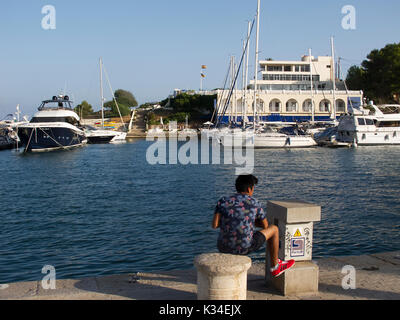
[
  {"x": 267, "y": 137},
  {"x": 96, "y": 136}
]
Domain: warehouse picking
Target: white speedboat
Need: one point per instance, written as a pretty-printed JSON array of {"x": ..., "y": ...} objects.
[
  {"x": 55, "y": 126},
  {"x": 365, "y": 129},
  {"x": 99, "y": 136},
  {"x": 280, "y": 139},
  {"x": 268, "y": 138}
]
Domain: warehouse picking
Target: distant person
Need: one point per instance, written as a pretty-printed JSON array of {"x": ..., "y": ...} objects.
[{"x": 237, "y": 216}]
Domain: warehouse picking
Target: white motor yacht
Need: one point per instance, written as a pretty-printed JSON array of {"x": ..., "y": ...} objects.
[
  {"x": 365, "y": 128},
  {"x": 55, "y": 126}
]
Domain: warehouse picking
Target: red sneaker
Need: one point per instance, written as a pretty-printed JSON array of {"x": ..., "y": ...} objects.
[{"x": 282, "y": 267}]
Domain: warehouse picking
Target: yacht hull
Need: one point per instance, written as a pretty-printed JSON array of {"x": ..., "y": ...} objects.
[
  {"x": 42, "y": 139},
  {"x": 265, "y": 141}
]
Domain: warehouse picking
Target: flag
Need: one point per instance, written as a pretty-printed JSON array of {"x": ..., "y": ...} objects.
[{"x": 204, "y": 67}]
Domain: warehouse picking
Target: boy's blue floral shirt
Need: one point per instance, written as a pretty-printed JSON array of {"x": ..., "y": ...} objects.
[{"x": 238, "y": 215}]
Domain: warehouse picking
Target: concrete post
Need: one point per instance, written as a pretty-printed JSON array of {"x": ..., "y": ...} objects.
[
  {"x": 222, "y": 276},
  {"x": 295, "y": 221}
]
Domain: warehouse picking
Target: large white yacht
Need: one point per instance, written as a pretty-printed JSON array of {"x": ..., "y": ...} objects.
[
  {"x": 379, "y": 127},
  {"x": 55, "y": 126}
]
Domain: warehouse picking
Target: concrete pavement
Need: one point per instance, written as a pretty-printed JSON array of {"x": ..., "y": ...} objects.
[{"x": 377, "y": 277}]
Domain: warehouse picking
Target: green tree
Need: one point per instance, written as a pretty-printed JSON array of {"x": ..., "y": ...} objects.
[
  {"x": 193, "y": 104},
  {"x": 355, "y": 79},
  {"x": 112, "y": 109},
  {"x": 379, "y": 74},
  {"x": 125, "y": 100},
  {"x": 84, "y": 109}
]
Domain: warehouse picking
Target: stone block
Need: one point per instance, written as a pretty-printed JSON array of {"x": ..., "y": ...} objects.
[
  {"x": 294, "y": 211},
  {"x": 301, "y": 279}
]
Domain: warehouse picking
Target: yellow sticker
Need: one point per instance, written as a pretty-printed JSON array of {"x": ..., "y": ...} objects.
[{"x": 298, "y": 233}]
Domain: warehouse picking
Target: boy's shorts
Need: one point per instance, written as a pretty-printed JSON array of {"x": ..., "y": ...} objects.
[{"x": 256, "y": 244}]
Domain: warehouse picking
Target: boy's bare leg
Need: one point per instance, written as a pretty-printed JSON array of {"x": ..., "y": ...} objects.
[{"x": 272, "y": 236}]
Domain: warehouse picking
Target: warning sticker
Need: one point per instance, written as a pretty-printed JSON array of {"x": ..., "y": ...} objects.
[
  {"x": 297, "y": 247},
  {"x": 297, "y": 233}
]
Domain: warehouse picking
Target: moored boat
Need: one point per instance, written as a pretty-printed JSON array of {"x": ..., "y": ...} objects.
[
  {"x": 55, "y": 126},
  {"x": 366, "y": 128}
]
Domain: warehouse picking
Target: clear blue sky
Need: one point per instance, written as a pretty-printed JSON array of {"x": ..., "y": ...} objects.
[{"x": 153, "y": 47}]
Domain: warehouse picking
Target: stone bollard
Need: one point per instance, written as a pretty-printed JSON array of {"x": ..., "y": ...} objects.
[
  {"x": 295, "y": 221},
  {"x": 222, "y": 276}
]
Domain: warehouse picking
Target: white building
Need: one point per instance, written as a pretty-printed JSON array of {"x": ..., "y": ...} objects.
[{"x": 284, "y": 93}]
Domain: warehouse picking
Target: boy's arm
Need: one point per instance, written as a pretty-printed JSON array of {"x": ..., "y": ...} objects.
[{"x": 215, "y": 222}]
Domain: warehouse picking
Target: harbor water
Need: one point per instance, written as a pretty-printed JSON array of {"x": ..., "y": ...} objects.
[{"x": 103, "y": 209}]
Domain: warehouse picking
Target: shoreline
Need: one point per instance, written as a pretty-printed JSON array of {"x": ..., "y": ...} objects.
[{"x": 377, "y": 278}]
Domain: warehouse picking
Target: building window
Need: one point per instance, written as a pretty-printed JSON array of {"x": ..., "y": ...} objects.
[
  {"x": 291, "y": 106},
  {"x": 275, "y": 106},
  {"x": 287, "y": 68},
  {"x": 260, "y": 105},
  {"x": 275, "y": 68},
  {"x": 340, "y": 106},
  {"x": 307, "y": 106},
  {"x": 325, "y": 106},
  {"x": 316, "y": 78},
  {"x": 305, "y": 68}
]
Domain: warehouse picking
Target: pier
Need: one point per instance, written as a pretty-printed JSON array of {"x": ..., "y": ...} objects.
[{"x": 377, "y": 278}]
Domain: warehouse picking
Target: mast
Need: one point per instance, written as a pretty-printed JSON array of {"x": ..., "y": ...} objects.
[
  {"x": 232, "y": 86},
  {"x": 246, "y": 80},
  {"x": 243, "y": 92},
  {"x": 101, "y": 93},
  {"x": 235, "y": 68},
  {"x": 333, "y": 115},
  {"x": 256, "y": 65},
  {"x": 312, "y": 89}
]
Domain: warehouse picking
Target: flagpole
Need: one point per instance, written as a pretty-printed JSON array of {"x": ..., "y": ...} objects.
[{"x": 202, "y": 75}]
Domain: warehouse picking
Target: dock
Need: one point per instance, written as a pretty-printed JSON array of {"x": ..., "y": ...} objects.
[{"x": 377, "y": 278}]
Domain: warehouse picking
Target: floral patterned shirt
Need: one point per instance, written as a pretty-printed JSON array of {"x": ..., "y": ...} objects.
[{"x": 238, "y": 214}]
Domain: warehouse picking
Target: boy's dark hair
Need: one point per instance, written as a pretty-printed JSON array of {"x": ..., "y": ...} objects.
[{"x": 244, "y": 182}]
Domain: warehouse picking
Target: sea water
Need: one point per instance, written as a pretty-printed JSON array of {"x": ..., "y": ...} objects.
[{"x": 103, "y": 209}]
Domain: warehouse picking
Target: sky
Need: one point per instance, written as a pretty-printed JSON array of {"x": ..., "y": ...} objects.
[{"x": 153, "y": 47}]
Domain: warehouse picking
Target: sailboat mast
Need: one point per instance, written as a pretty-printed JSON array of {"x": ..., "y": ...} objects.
[
  {"x": 333, "y": 115},
  {"x": 312, "y": 89},
  {"x": 243, "y": 85},
  {"x": 232, "y": 86},
  {"x": 256, "y": 64},
  {"x": 246, "y": 80},
  {"x": 101, "y": 93}
]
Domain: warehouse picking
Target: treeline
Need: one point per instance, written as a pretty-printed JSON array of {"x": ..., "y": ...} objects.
[
  {"x": 125, "y": 101},
  {"x": 379, "y": 75},
  {"x": 195, "y": 107},
  {"x": 194, "y": 104}
]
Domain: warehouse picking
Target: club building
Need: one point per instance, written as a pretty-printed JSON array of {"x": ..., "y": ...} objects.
[{"x": 284, "y": 93}]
